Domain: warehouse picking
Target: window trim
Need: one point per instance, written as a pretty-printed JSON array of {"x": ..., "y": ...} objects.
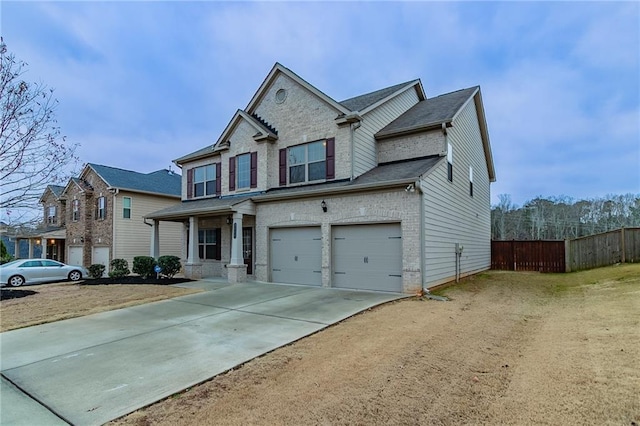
[
  {"x": 205, "y": 181},
  {"x": 471, "y": 181},
  {"x": 75, "y": 210},
  {"x": 51, "y": 218},
  {"x": 101, "y": 211},
  {"x": 449, "y": 162},
  {"x": 125, "y": 208},
  {"x": 306, "y": 163},
  {"x": 217, "y": 245}
]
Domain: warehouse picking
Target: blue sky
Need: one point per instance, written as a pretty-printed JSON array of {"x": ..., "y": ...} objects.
[{"x": 143, "y": 83}]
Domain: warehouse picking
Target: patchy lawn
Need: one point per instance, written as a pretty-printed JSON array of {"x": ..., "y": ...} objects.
[
  {"x": 509, "y": 348},
  {"x": 39, "y": 304}
]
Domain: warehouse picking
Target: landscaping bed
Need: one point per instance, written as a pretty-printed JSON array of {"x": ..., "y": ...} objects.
[{"x": 135, "y": 280}]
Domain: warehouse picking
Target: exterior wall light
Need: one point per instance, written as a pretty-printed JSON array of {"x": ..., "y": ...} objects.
[{"x": 324, "y": 206}]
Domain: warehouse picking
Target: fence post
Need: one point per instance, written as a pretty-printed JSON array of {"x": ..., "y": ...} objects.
[
  {"x": 567, "y": 255},
  {"x": 622, "y": 245}
]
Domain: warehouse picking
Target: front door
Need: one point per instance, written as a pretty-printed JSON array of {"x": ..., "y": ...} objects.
[{"x": 247, "y": 249}]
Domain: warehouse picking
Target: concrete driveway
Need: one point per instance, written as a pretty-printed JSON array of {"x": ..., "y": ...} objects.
[{"x": 89, "y": 370}]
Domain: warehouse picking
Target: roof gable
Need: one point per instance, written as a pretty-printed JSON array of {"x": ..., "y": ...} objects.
[
  {"x": 55, "y": 190},
  {"x": 368, "y": 101},
  {"x": 429, "y": 113},
  {"x": 271, "y": 77}
]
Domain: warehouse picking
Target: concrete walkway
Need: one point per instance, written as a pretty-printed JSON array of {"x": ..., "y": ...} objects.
[{"x": 89, "y": 370}]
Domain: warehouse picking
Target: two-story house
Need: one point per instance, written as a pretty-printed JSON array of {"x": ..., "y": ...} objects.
[
  {"x": 105, "y": 209},
  {"x": 385, "y": 191}
]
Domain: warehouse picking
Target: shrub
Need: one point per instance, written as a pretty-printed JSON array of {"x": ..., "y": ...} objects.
[
  {"x": 96, "y": 270},
  {"x": 4, "y": 254},
  {"x": 119, "y": 268},
  {"x": 170, "y": 265},
  {"x": 143, "y": 266}
]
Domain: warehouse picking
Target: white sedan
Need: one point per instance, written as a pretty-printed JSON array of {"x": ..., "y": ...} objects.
[{"x": 35, "y": 271}]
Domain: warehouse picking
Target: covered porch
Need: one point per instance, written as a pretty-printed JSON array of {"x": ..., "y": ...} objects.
[
  {"x": 218, "y": 237},
  {"x": 45, "y": 244}
]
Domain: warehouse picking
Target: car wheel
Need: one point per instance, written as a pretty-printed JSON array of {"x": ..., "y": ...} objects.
[
  {"x": 75, "y": 275},
  {"x": 16, "y": 281}
]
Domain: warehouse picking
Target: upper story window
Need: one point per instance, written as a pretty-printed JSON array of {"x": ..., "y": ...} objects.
[
  {"x": 449, "y": 162},
  {"x": 308, "y": 163},
  {"x": 126, "y": 207},
  {"x": 203, "y": 181},
  {"x": 101, "y": 208},
  {"x": 470, "y": 181},
  {"x": 75, "y": 210},
  {"x": 51, "y": 214},
  {"x": 243, "y": 171}
]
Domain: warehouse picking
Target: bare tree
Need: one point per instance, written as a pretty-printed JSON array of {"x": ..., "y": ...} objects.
[{"x": 33, "y": 153}]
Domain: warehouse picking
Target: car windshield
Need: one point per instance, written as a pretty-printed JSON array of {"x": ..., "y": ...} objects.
[{"x": 12, "y": 263}]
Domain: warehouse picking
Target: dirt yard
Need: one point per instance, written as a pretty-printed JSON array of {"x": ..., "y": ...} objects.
[
  {"x": 509, "y": 348},
  {"x": 54, "y": 302}
]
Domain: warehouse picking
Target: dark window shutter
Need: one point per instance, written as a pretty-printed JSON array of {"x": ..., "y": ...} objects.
[
  {"x": 331, "y": 158},
  {"x": 105, "y": 207},
  {"x": 218, "y": 251},
  {"x": 189, "y": 183},
  {"x": 218, "y": 178},
  {"x": 283, "y": 167},
  {"x": 232, "y": 173},
  {"x": 254, "y": 169}
]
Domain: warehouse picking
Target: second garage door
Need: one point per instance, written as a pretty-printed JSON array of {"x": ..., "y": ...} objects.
[
  {"x": 368, "y": 257},
  {"x": 296, "y": 255}
]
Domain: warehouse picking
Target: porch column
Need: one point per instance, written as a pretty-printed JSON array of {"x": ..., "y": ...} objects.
[
  {"x": 193, "y": 256},
  {"x": 193, "y": 267},
  {"x": 155, "y": 239},
  {"x": 44, "y": 248},
  {"x": 236, "y": 240},
  {"x": 236, "y": 269},
  {"x": 16, "y": 248}
]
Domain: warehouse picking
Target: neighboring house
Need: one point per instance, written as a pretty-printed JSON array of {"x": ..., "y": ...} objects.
[
  {"x": 99, "y": 216},
  {"x": 105, "y": 214},
  {"x": 385, "y": 191}
]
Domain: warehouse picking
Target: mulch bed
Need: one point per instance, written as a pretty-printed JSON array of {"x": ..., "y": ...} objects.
[
  {"x": 6, "y": 294},
  {"x": 134, "y": 279}
]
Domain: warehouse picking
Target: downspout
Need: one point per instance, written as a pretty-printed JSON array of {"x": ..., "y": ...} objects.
[
  {"x": 352, "y": 130},
  {"x": 115, "y": 192},
  {"x": 423, "y": 261}
]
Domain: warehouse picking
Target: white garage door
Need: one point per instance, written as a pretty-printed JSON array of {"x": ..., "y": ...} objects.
[
  {"x": 296, "y": 255},
  {"x": 75, "y": 256},
  {"x": 101, "y": 255},
  {"x": 367, "y": 257}
]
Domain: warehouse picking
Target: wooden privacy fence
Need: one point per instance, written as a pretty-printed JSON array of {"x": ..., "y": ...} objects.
[
  {"x": 540, "y": 256},
  {"x": 594, "y": 251},
  {"x": 608, "y": 248}
]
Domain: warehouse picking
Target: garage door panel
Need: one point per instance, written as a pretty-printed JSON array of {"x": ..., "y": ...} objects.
[
  {"x": 296, "y": 255},
  {"x": 368, "y": 257}
]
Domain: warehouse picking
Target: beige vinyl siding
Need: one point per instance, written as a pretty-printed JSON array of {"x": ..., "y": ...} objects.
[
  {"x": 451, "y": 214},
  {"x": 132, "y": 237},
  {"x": 364, "y": 142}
]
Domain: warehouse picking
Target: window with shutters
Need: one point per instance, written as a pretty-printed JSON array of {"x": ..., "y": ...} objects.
[
  {"x": 209, "y": 244},
  {"x": 243, "y": 171},
  {"x": 307, "y": 163},
  {"x": 204, "y": 180},
  {"x": 449, "y": 162}
]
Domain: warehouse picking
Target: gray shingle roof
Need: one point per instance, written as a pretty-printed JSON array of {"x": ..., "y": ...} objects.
[
  {"x": 387, "y": 173},
  {"x": 191, "y": 207},
  {"x": 56, "y": 190},
  {"x": 429, "y": 112},
  {"x": 361, "y": 102},
  {"x": 162, "y": 182}
]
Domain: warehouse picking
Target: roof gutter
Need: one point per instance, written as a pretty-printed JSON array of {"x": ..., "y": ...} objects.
[
  {"x": 333, "y": 191},
  {"x": 414, "y": 129}
]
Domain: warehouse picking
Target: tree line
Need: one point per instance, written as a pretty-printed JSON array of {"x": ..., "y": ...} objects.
[{"x": 560, "y": 218}]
